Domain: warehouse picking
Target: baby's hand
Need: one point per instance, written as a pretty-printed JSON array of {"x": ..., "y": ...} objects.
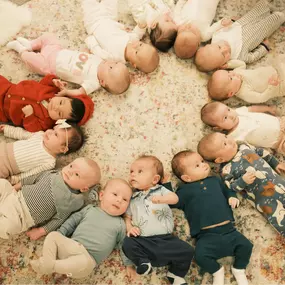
[
  {"x": 234, "y": 202},
  {"x": 226, "y": 22},
  {"x": 62, "y": 93},
  {"x": 157, "y": 199},
  {"x": 249, "y": 177},
  {"x": 274, "y": 80},
  {"x": 134, "y": 231},
  {"x": 280, "y": 168},
  {"x": 2, "y": 128},
  {"x": 28, "y": 110},
  {"x": 60, "y": 84},
  {"x": 36, "y": 233},
  {"x": 131, "y": 273}
]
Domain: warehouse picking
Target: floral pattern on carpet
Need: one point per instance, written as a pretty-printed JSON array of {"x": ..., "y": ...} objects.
[{"x": 158, "y": 115}]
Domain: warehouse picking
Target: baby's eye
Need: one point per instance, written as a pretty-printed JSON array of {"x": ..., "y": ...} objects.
[
  {"x": 140, "y": 171},
  {"x": 111, "y": 67},
  {"x": 131, "y": 171},
  {"x": 226, "y": 117},
  {"x": 136, "y": 52},
  {"x": 197, "y": 165},
  {"x": 60, "y": 102},
  {"x": 77, "y": 174},
  {"x": 225, "y": 144},
  {"x": 115, "y": 194},
  {"x": 125, "y": 200},
  {"x": 70, "y": 166}
]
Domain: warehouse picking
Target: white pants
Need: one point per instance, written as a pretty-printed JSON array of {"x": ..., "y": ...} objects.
[
  {"x": 15, "y": 217},
  {"x": 65, "y": 256}
]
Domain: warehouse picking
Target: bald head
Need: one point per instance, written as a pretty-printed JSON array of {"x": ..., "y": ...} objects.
[
  {"x": 207, "y": 147},
  {"x": 186, "y": 44}
]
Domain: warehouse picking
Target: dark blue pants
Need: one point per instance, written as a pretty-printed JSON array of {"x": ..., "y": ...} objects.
[
  {"x": 215, "y": 243},
  {"x": 160, "y": 250}
]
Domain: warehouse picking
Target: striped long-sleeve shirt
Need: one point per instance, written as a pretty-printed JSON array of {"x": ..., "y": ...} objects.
[
  {"x": 30, "y": 155},
  {"x": 49, "y": 200}
]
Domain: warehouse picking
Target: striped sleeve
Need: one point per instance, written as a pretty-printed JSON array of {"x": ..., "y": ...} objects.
[
  {"x": 55, "y": 223},
  {"x": 16, "y": 133}
]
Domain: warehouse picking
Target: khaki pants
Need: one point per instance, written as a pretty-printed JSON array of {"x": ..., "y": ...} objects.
[
  {"x": 65, "y": 256},
  {"x": 15, "y": 217}
]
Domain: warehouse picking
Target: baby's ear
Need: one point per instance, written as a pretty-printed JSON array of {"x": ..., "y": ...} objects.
[
  {"x": 156, "y": 179},
  {"x": 185, "y": 178},
  {"x": 102, "y": 82},
  {"x": 153, "y": 25},
  {"x": 84, "y": 189},
  {"x": 64, "y": 149},
  {"x": 231, "y": 94},
  {"x": 219, "y": 160}
]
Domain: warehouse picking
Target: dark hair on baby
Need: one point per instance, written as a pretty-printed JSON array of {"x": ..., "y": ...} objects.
[
  {"x": 176, "y": 165},
  {"x": 162, "y": 41},
  {"x": 78, "y": 110},
  {"x": 75, "y": 139}
]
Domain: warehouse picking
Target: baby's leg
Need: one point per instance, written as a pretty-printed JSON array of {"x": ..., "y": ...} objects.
[
  {"x": 258, "y": 12},
  {"x": 93, "y": 12},
  {"x": 255, "y": 33},
  {"x": 65, "y": 256}
]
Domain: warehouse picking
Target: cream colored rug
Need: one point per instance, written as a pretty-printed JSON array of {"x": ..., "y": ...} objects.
[
  {"x": 159, "y": 114},
  {"x": 12, "y": 19}
]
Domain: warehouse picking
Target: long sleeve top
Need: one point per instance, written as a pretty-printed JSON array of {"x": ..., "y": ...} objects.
[
  {"x": 256, "y": 86},
  {"x": 205, "y": 203},
  {"x": 13, "y": 97},
  {"x": 97, "y": 231},
  {"x": 29, "y": 153},
  {"x": 49, "y": 200},
  {"x": 200, "y": 13}
]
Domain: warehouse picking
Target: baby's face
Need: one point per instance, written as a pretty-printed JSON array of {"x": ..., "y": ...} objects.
[
  {"x": 115, "y": 198},
  {"x": 111, "y": 73},
  {"x": 59, "y": 108},
  {"x": 225, "y": 147},
  {"x": 195, "y": 168},
  {"x": 78, "y": 175},
  {"x": 225, "y": 118},
  {"x": 166, "y": 22},
  {"x": 143, "y": 174},
  {"x": 227, "y": 81},
  {"x": 139, "y": 53},
  {"x": 56, "y": 139}
]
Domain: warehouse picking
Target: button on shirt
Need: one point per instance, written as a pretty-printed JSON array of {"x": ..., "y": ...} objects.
[{"x": 151, "y": 219}]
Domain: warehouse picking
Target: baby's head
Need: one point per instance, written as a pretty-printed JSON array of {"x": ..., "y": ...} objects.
[
  {"x": 81, "y": 174},
  {"x": 114, "y": 76},
  {"x": 213, "y": 56},
  {"x": 146, "y": 172},
  {"x": 217, "y": 147},
  {"x": 142, "y": 56},
  {"x": 115, "y": 197},
  {"x": 163, "y": 33},
  {"x": 189, "y": 166},
  {"x": 224, "y": 84},
  {"x": 187, "y": 41},
  {"x": 60, "y": 140},
  {"x": 219, "y": 116},
  {"x": 78, "y": 110}
]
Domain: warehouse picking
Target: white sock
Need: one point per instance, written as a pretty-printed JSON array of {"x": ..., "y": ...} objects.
[
  {"x": 25, "y": 42},
  {"x": 174, "y": 279},
  {"x": 219, "y": 277},
  {"x": 240, "y": 276},
  {"x": 16, "y": 46}
]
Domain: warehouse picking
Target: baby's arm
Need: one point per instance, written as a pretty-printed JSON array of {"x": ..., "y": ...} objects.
[
  {"x": 130, "y": 271},
  {"x": 267, "y": 156},
  {"x": 171, "y": 198},
  {"x": 40, "y": 168},
  {"x": 131, "y": 230},
  {"x": 16, "y": 133},
  {"x": 95, "y": 48},
  {"x": 229, "y": 194},
  {"x": 72, "y": 92},
  {"x": 263, "y": 109},
  {"x": 259, "y": 97},
  {"x": 233, "y": 64},
  {"x": 48, "y": 80}
]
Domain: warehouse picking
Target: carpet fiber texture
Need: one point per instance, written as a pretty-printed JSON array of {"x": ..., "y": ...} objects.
[{"x": 159, "y": 115}]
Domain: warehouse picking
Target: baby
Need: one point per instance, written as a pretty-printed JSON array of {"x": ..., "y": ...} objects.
[
  {"x": 242, "y": 42},
  {"x": 35, "y": 106},
  {"x": 87, "y": 70},
  {"x": 253, "y": 85},
  {"x": 149, "y": 223},
  {"x": 253, "y": 170},
  {"x": 205, "y": 201},
  {"x": 248, "y": 124},
  {"x": 194, "y": 20},
  {"x": 94, "y": 232},
  {"x": 159, "y": 20},
  {"x": 107, "y": 35},
  {"x": 36, "y": 152},
  {"x": 46, "y": 199}
]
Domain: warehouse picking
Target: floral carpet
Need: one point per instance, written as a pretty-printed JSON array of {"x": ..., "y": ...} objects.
[{"x": 158, "y": 115}]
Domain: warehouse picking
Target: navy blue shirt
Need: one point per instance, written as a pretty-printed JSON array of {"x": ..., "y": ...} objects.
[{"x": 205, "y": 203}]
